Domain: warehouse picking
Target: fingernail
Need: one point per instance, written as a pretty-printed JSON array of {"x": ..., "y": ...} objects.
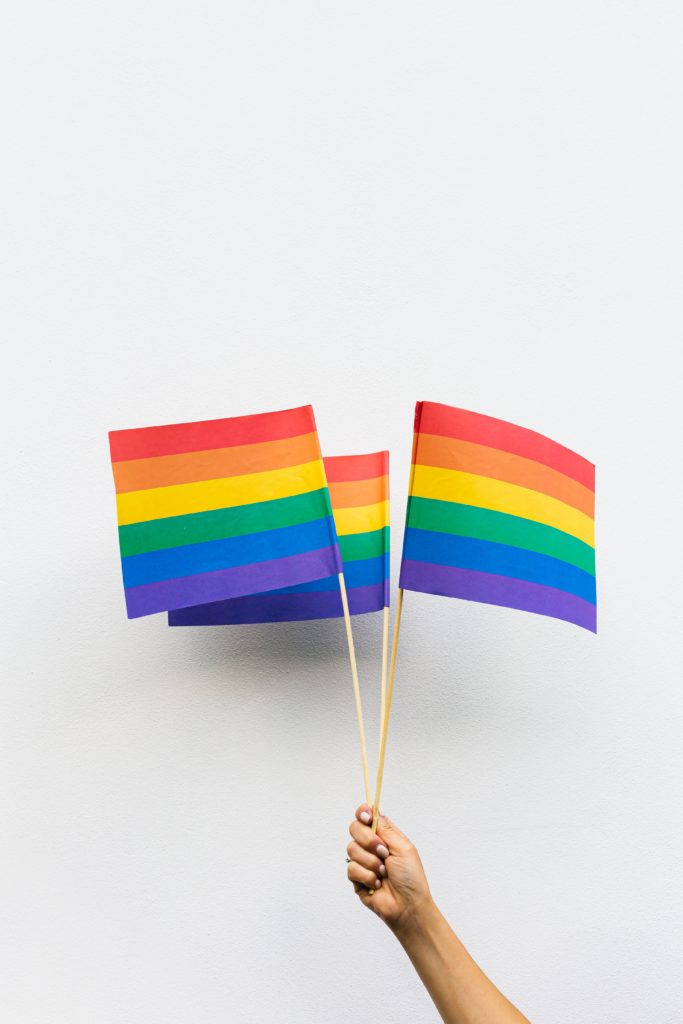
[
  {"x": 382, "y": 852},
  {"x": 378, "y": 883},
  {"x": 382, "y": 870},
  {"x": 365, "y": 817}
]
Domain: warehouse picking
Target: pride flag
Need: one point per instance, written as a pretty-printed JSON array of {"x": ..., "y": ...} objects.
[
  {"x": 359, "y": 489},
  {"x": 221, "y": 508},
  {"x": 499, "y": 514}
]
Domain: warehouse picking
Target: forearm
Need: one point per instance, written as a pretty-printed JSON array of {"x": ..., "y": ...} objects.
[{"x": 461, "y": 991}]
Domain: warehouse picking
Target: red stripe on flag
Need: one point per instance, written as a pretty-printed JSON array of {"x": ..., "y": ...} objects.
[
  {"x": 447, "y": 421},
  {"x": 176, "y": 438},
  {"x": 341, "y": 468}
]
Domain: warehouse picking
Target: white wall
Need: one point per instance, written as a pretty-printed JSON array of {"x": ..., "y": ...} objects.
[{"x": 213, "y": 209}]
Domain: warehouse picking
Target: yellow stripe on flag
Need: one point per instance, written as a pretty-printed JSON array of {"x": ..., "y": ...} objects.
[
  {"x": 483, "y": 492},
  {"x": 362, "y": 519},
  {"x": 206, "y": 495}
]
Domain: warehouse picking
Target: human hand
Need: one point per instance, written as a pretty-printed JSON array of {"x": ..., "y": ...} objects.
[
  {"x": 386, "y": 870},
  {"x": 388, "y": 877}
]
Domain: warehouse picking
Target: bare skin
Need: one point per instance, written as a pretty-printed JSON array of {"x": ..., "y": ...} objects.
[{"x": 387, "y": 874}]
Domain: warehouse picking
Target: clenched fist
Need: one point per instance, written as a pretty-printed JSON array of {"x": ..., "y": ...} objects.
[{"x": 386, "y": 870}]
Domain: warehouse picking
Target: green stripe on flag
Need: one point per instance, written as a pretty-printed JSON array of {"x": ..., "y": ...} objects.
[
  {"x": 175, "y": 531},
  {"x": 354, "y": 546},
  {"x": 485, "y": 524}
]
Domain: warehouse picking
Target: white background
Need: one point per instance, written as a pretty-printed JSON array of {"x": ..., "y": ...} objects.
[{"x": 212, "y": 209}]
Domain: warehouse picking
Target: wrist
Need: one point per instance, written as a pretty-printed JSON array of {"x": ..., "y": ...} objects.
[{"x": 417, "y": 922}]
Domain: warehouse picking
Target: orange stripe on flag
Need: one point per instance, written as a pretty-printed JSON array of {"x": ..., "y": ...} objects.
[
  {"x": 451, "y": 453},
  {"x": 214, "y": 464},
  {"x": 352, "y": 493}
]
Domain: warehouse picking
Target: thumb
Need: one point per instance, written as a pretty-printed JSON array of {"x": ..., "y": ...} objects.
[{"x": 391, "y": 835}]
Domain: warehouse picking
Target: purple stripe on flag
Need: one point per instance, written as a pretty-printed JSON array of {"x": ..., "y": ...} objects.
[
  {"x": 501, "y": 590},
  {"x": 163, "y": 595},
  {"x": 279, "y": 608}
]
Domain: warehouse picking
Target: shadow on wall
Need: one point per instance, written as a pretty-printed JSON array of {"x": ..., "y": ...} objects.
[
  {"x": 321, "y": 641},
  {"x": 463, "y": 669}
]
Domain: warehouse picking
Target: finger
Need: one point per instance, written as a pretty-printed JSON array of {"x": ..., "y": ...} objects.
[
  {"x": 357, "y": 873},
  {"x": 363, "y": 894},
  {"x": 366, "y": 838},
  {"x": 391, "y": 836},
  {"x": 364, "y": 813},
  {"x": 356, "y": 852}
]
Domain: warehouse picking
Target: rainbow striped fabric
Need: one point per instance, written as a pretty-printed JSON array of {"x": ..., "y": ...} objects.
[
  {"x": 359, "y": 488},
  {"x": 499, "y": 514},
  {"x": 221, "y": 508}
]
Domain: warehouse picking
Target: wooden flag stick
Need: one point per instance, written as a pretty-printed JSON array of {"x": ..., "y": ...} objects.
[
  {"x": 385, "y": 665},
  {"x": 387, "y": 712},
  {"x": 356, "y": 686}
]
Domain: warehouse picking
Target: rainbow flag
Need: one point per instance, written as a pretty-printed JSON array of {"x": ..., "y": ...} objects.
[
  {"x": 359, "y": 488},
  {"x": 221, "y": 508},
  {"x": 499, "y": 514}
]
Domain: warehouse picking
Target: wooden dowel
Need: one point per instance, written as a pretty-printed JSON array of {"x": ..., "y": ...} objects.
[
  {"x": 385, "y": 666},
  {"x": 356, "y": 687},
  {"x": 387, "y": 712}
]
